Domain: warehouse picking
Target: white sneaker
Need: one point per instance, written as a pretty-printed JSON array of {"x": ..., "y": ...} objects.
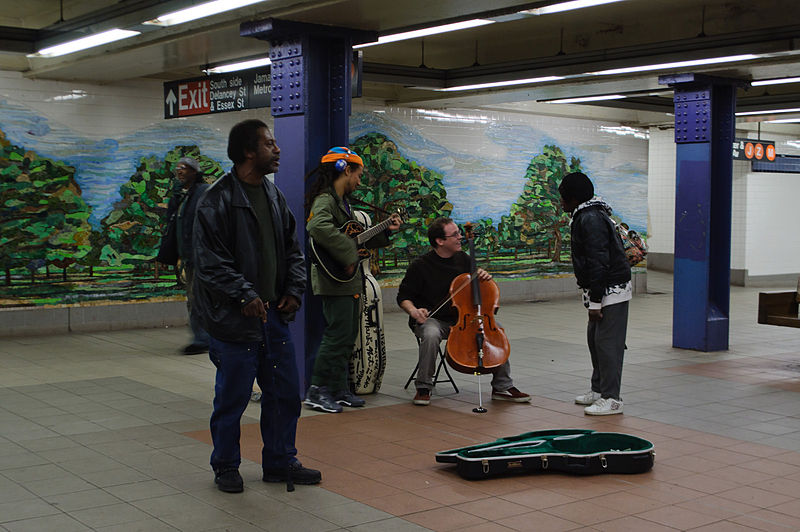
[
  {"x": 588, "y": 398},
  {"x": 604, "y": 407}
]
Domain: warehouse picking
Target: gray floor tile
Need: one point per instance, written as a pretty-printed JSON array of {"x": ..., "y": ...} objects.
[
  {"x": 145, "y": 525},
  {"x": 351, "y": 514},
  {"x": 80, "y": 500},
  {"x": 61, "y": 523},
  {"x": 25, "y": 509},
  {"x": 141, "y": 490},
  {"x": 113, "y": 514}
]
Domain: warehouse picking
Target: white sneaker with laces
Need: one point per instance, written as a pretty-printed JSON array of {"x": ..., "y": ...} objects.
[
  {"x": 588, "y": 398},
  {"x": 604, "y": 407}
]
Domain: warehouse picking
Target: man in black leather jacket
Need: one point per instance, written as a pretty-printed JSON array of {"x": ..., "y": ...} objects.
[
  {"x": 603, "y": 272},
  {"x": 176, "y": 242},
  {"x": 250, "y": 280}
]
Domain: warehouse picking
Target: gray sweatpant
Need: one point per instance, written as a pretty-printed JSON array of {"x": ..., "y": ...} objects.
[
  {"x": 430, "y": 334},
  {"x": 606, "y": 339}
]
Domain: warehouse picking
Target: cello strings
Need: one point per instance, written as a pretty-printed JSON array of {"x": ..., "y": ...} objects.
[{"x": 446, "y": 301}]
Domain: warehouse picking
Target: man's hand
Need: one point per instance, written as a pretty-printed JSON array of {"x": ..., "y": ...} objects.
[
  {"x": 595, "y": 314},
  {"x": 288, "y": 304},
  {"x": 256, "y": 308},
  {"x": 394, "y": 225},
  {"x": 419, "y": 314},
  {"x": 350, "y": 269},
  {"x": 483, "y": 275}
]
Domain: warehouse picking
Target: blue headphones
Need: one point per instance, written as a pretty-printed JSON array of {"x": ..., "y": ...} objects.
[{"x": 340, "y": 165}]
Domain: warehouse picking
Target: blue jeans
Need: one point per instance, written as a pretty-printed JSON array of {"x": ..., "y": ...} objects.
[{"x": 273, "y": 364}]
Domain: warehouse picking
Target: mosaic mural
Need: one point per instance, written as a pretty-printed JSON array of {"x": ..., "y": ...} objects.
[{"x": 81, "y": 218}]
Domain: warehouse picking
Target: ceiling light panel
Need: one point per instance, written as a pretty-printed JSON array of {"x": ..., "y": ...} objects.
[
  {"x": 456, "y": 26},
  {"x": 501, "y": 84},
  {"x": 241, "y": 65},
  {"x": 200, "y": 11},
  {"x": 568, "y": 6},
  {"x": 84, "y": 43},
  {"x": 778, "y": 81}
]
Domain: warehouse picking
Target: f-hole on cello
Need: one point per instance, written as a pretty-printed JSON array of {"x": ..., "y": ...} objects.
[{"x": 476, "y": 343}]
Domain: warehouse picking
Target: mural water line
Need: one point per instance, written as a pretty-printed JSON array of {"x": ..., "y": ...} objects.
[{"x": 51, "y": 253}]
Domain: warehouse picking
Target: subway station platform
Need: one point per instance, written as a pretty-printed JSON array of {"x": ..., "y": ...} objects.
[{"x": 109, "y": 431}]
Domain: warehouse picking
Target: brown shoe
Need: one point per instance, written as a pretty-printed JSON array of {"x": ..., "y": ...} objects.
[
  {"x": 423, "y": 397},
  {"x": 512, "y": 394}
]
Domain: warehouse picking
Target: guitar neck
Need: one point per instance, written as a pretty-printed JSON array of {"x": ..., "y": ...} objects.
[{"x": 372, "y": 231}]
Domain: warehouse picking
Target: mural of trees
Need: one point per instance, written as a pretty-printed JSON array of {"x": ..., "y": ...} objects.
[
  {"x": 43, "y": 219},
  {"x": 134, "y": 226},
  {"x": 536, "y": 219},
  {"x": 391, "y": 180}
]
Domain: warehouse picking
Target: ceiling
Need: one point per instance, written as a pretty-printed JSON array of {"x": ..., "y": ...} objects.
[{"x": 517, "y": 45}]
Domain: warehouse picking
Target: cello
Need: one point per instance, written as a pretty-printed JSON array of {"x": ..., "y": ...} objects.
[{"x": 476, "y": 343}]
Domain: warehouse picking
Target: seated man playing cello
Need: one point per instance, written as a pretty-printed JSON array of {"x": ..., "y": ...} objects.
[{"x": 424, "y": 295}]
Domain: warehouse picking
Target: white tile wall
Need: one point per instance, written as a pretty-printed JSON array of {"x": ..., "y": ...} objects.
[
  {"x": 764, "y": 236},
  {"x": 661, "y": 191},
  {"x": 107, "y": 110}
]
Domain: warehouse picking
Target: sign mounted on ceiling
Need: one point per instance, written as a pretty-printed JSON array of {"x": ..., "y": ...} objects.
[
  {"x": 753, "y": 150},
  {"x": 219, "y": 93}
]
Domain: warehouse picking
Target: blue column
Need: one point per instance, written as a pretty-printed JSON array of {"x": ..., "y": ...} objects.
[
  {"x": 704, "y": 132},
  {"x": 310, "y": 92}
]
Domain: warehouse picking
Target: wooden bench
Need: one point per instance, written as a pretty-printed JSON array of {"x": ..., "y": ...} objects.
[{"x": 778, "y": 308}]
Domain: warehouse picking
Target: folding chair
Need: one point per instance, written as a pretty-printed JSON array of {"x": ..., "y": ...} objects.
[{"x": 442, "y": 364}]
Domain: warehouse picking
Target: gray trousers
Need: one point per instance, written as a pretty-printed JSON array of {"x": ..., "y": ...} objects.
[
  {"x": 606, "y": 339},
  {"x": 430, "y": 334}
]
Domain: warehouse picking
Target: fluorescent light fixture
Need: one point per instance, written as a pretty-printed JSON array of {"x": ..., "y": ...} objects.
[
  {"x": 200, "y": 11},
  {"x": 777, "y": 81},
  {"x": 456, "y": 26},
  {"x": 769, "y": 112},
  {"x": 501, "y": 84},
  {"x": 626, "y": 131},
  {"x": 567, "y": 6},
  {"x": 441, "y": 116},
  {"x": 85, "y": 42},
  {"x": 785, "y": 121},
  {"x": 241, "y": 65},
  {"x": 588, "y": 99},
  {"x": 676, "y": 64}
]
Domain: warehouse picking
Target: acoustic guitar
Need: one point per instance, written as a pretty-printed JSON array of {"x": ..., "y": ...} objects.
[{"x": 357, "y": 232}]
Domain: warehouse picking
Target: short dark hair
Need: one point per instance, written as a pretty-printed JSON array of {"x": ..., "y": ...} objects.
[
  {"x": 243, "y": 138},
  {"x": 576, "y": 186},
  {"x": 436, "y": 230}
]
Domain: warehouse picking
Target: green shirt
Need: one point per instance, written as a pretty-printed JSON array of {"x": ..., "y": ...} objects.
[{"x": 268, "y": 275}]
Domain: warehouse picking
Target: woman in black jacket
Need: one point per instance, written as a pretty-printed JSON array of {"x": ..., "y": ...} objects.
[{"x": 604, "y": 274}]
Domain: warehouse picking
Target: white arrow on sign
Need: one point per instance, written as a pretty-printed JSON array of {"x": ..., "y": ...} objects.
[{"x": 171, "y": 101}]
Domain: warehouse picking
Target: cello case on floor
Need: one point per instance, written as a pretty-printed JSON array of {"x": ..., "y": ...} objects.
[
  {"x": 576, "y": 451},
  {"x": 368, "y": 361}
]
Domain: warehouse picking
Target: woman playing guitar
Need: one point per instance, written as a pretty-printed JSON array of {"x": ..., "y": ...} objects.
[{"x": 336, "y": 178}]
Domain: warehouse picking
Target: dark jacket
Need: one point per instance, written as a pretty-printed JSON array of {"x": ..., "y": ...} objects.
[
  {"x": 170, "y": 249},
  {"x": 227, "y": 258},
  {"x": 327, "y": 215},
  {"x": 597, "y": 254}
]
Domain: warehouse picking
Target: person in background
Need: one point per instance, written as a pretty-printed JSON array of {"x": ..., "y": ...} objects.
[
  {"x": 604, "y": 275},
  {"x": 424, "y": 289},
  {"x": 176, "y": 243},
  {"x": 338, "y": 175},
  {"x": 250, "y": 281}
]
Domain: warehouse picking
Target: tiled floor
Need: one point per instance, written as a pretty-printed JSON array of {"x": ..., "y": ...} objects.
[{"x": 109, "y": 432}]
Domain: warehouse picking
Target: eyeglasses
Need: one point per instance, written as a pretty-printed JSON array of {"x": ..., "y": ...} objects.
[{"x": 457, "y": 234}]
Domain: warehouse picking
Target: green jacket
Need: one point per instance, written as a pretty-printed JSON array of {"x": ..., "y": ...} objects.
[{"x": 327, "y": 215}]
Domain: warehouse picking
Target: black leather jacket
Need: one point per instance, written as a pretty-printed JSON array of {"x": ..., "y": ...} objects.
[
  {"x": 597, "y": 254},
  {"x": 227, "y": 258},
  {"x": 170, "y": 249}
]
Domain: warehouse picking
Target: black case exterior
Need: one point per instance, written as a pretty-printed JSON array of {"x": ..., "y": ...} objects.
[{"x": 578, "y": 452}]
